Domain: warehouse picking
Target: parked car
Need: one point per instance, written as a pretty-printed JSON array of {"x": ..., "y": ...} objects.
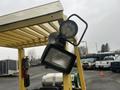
[
  {"x": 115, "y": 65},
  {"x": 88, "y": 64},
  {"x": 105, "y": 63}
]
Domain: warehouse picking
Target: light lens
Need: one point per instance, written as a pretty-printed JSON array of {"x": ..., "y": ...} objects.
[
  {"x": 58, "y": 58},
  {"x": 69, "y": 28}
]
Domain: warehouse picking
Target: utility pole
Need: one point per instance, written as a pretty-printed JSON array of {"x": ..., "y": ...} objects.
[
  {"x": 86, "y": 45},
  {"x": 96, "y": 47}
]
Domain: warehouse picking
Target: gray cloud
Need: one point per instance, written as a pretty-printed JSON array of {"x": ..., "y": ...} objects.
[
  {"x": 101, "y": 15},
  {"x": 103, "y": 19}
]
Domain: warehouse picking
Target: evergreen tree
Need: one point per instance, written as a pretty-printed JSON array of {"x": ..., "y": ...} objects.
[{"x": 105, "y": 47}]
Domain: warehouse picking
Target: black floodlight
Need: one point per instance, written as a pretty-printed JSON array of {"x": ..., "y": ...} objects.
[
  {"x": 58, "y": 58},
  {"x": 55, "y": 55},
  {"x": 57, "y": 38},
  {"x": 69, "y": 28},
  {"x": 52, "y": 37}
]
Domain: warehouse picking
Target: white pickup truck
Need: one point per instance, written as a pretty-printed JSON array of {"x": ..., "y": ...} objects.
[{"x": 105, "y": 63}]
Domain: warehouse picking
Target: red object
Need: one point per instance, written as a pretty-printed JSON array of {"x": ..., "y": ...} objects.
[{"x": 101, "y": 73}]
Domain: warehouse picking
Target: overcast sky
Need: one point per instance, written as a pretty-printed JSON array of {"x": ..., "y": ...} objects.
[{"x": 101, "y": 15}]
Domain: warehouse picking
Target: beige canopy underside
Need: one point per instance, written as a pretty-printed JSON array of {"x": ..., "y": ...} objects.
[{"x": 30, "y": 27}]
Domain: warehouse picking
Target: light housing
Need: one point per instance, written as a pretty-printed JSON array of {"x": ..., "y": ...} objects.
[
  {"x": 69, "y": 28},
  {"x": 57, "y": 58}
]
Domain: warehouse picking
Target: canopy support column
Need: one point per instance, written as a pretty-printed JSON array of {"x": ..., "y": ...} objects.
[
  {"x": 20, "y": 58},
  {"x": 80, "y": 69},
  {"x": 67, "y": 82}
]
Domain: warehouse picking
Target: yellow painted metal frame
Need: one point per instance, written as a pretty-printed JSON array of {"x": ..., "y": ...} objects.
[
  {"x": 67, "y": 77},
  {"x": 67, "y": 81},
  {"x": 33, "y": 29},
  {"x": 80, "y": 69},
  {"x": 20, "y": 58}
]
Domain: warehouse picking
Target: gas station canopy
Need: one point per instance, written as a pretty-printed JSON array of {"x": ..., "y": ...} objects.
[{"x": 30, "y": 27}]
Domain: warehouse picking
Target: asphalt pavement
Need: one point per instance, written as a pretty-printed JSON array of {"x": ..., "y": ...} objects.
[
  {"x": 102, "y": 80},
  {"x": 95, "y": 80}
]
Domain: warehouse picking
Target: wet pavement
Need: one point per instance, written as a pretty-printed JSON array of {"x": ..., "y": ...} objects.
[
  {"x": 102, "y": 80},
  {"x": 95, "y": 80}
]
